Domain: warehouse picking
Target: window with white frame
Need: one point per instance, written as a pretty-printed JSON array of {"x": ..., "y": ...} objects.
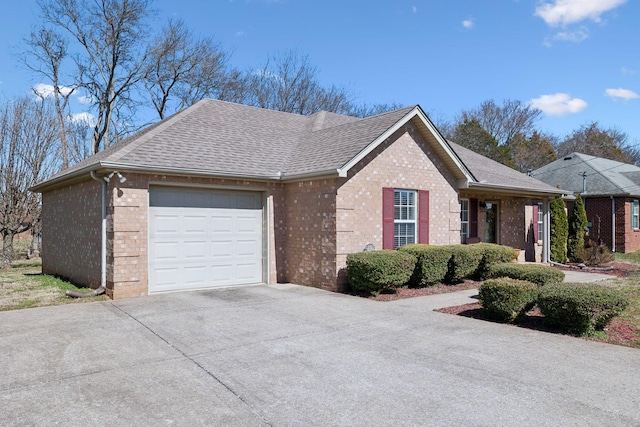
[
  {"x": 404, "y": 224},
  {"x": 464, "y": 220},
  {"x": 540, "y": 221},
  {"x": 635, "y": 214}
]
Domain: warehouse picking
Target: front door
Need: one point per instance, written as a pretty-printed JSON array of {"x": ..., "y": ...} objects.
[{"x": 491, "y": 231}]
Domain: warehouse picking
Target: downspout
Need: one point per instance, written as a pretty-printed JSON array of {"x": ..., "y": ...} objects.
[
  {"x": 613, "y": 224},
  {"x": 103, "y": 267}
]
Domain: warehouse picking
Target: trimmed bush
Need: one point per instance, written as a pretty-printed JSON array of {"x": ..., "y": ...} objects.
[
  {"x": 507, "y": 299},
  {"x": 451, "y": 264},
  {"x": 432, "y": 263},
  {"x": 539, "y": 274},
  {"x": 379, "y": 271},
  {"x": 464, "y": 262},
  {"x": 580, "y": 309},
  {"x": 492, "y": 254}
]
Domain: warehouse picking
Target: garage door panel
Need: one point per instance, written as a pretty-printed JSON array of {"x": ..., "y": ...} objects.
[
  {"x": 195, "y": 224},
  {"x": 165, "y": 250},
  {"x": 166, "y": 224},
  {"x": 195, "y": 249},
  {"x": 204, "y": 238}
]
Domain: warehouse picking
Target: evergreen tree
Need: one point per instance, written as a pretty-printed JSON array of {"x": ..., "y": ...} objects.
[
  {"x": 559, "y": 231},
  {"x": 577, "y": 225}
]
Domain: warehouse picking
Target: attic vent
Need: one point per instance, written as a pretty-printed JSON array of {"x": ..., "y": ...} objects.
[{"x": 569, "y": 157}]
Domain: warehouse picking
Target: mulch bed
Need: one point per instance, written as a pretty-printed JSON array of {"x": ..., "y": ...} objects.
[{"x": 617, "y": 332}]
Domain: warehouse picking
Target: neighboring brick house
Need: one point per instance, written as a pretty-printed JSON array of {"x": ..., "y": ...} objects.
[
  {"x": 225, "y": 194},
  {"x": 611, "y": 194}
]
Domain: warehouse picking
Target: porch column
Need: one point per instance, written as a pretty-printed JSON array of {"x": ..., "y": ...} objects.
[{"x": 546, "y": 234}]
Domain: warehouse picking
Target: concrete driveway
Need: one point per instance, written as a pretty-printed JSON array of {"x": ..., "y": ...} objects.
[{"x": 294, "y": 356}]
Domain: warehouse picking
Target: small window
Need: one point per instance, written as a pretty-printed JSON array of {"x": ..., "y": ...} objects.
[
  {"x": 404, "y": 224},
  {"x": 635, "y": 215},
  {"x": 464, "y": 220},
  {"x": 540, "y": 221}
]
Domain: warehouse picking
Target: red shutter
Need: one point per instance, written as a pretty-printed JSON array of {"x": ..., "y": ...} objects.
[
  {"x": 535, "y": 223},
  {"x": 387, "y": 217},
  {"x": 473, "y": 217},
  {"x": 423, "y": 216}
]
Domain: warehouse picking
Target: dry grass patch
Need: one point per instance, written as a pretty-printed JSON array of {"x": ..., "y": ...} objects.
[{"x": 24, "y": 286}]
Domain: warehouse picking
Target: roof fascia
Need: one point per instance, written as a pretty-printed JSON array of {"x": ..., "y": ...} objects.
[
  {"x": 507, "y": 189},
  {"x": 416, "y": 111},
  {"x": 122, "y": 167}
]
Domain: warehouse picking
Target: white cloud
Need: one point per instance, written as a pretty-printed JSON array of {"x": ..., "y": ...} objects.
[
  {"x": 563, "y": 12},
  {"x": 623, "y": 70},
  {"x": 46, "y": 90},
  {"x": 468, "y": 23},
  {"x": 414, "y": 9},
  {"x": 625, "y": 94},
  {"x": 85, "y": 118},
  {"x": 559, "y": 104},
  {"x": 85, "y": 100},
  {"x": 572, "y": 36}
]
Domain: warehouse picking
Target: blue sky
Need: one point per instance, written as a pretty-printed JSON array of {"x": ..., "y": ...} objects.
[{"x": 577, "y": 60}]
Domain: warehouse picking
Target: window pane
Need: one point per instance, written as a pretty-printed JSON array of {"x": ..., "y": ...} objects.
[{"x": 405, "y": 234}]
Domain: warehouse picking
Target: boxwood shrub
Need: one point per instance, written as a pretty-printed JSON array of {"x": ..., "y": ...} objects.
[
  {"x": 492, "y": 254},
  {"x": 379, "y": 271},
  {"x": 538, "y": 274},
  {"x": 507, "y": 299},
  {"x": 432, "y": 263},
  {"x": 580, "y": 309},
  {"x": 464, "y": 262}
]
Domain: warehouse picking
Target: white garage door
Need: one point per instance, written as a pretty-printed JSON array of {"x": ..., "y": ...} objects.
[{"x": 200, "y": 238}]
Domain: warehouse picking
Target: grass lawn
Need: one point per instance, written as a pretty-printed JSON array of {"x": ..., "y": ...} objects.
[{"x": 24, "y": 286}]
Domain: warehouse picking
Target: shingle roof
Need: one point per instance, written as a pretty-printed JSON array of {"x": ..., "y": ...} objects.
[
  {"x": 222, "y": 138},
  {"x": 604, "y": 177}
]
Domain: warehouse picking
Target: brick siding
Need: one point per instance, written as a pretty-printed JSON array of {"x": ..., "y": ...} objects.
[
  {"x": 71, "y": 233},
  {"x": 403, "y": 161}
]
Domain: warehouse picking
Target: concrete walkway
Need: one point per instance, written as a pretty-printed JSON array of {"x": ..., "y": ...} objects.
[{"x": 287, "y": 355}]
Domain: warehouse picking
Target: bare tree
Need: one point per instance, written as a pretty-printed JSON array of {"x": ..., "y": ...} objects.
[
  {"x": 593, "y": 140},
  {"x": 533, "y": 152},
  {"x": 366, "y": 110},
  {"x": 181, "y": 70},
  {"x": 288, "y": 82},
  {"x": 28, "y": 136},
  {"x": 504, "y": 122},
  {"x": 110, "y": 36},
  {"x": 45, "y": 54}
]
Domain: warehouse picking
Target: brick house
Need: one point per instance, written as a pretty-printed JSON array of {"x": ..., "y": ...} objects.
[
  {"x": 225, "y": 194},
  {"x": 611, "y": 194}
]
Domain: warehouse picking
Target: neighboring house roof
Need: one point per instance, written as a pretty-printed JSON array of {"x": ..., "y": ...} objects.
[
  {"x": 602, "y": 177},
  {"x": 218, "y": 138}
]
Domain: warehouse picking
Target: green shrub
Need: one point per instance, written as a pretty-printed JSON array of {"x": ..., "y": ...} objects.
[
  {"x": 432, "y": 263},
  {"x": 492, "y": 254},
  {"x": 539, "y": 274},
  {"x": 507, "y": 299},
  {"x": 379, "y": 271},
  {"x": 464, "y": 262},
  {"x": 577, "y": 226},
  {"x": 559, "y": 230},
  {"x": 451, "y": 264},
  {"x": 580, "y": 309}
]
